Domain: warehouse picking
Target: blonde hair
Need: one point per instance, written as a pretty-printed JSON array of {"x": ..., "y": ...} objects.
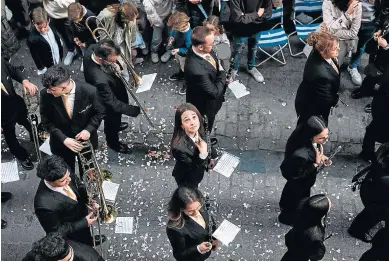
[
  {"x": 178, "y": 21},
  {"x": 322, "y": 42},
  {"x": 128, "y": 11},
  {"x": 39, "y": 16},
  {"x": 214, "y": 20},
  {"x": 75, "y": 11}
]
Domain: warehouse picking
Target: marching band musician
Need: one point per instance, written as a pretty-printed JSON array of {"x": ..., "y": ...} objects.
[
  {"x": 374, "y": 195},
  {"x": 111, "y": 89},
  {"x": 61, "y": 202},
  {"x": 303, "y": 155},
  {"x": 54, "y": 247},
  {"x": 204, "y": 76},
  {"x": 71, "y": 112},
  {"x": 14, "y": 110},
  {"x": 188, "y": 226},
  {"x": 188, "y": 146}
]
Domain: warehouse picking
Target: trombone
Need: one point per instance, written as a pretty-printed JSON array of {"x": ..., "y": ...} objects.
[
  {"x": 99, "y": 33},
  {"x": 93, "y": 177}
]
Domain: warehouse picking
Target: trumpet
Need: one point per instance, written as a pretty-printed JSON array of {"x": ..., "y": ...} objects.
[
  {"x": 39, "y": 135},
  {"x": 103, "y": 33},
  {"x": 100, "y": 33},
  {"x": 93, "y": 177}
]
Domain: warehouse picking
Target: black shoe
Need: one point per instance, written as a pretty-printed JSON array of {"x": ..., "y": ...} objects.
[
  {"x": 177, "y": 76},
  {"x": 27, "y": 164},
  {"x": 364, "y": 237},
  {"x": 120, "y": 148},
  {"x": 285, "y": 218},
  {"x": 99, "y": 241},
  {"x": 182, "y": 90},
  {"x": 5, "y": 196},
  {"x": 368, "y": 108},
  {"x": 3, "y": 224},
  {"x": 357, "y": 94},
  {"x": 123, "y": 126}
]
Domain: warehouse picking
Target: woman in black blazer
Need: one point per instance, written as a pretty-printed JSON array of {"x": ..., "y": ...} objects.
[
  {"x": 303, "y": 155},
  {"x": 305, "y": 241},
  {"x": 188, "y": 146},
  {"x": 318, "y": 92},
  {"x": 188, "y": 226}
]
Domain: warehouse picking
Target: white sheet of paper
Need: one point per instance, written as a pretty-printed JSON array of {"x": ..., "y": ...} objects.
[
  {"x": 226, "y": 232},
  {"x": 146, "y": 83},
  {"x": 9, "y": 172},
  {"x": 227, "y": 164},
  {"x": 45, "y": 147},
  {"x": 124, "y": 225},
  {"x": 110, "y": 190},
  {"x": 238, "y": 89}
]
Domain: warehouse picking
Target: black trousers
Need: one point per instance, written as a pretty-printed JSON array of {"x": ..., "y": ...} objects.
[
  {"x": 374, "y": 133},
  {"x": 368, "y": 85},
  {"x": 68, "y": 156},
  {"x": 192, "y": 183},
  {"x": 63, "y": 27},
  {"x": 10, "y": 136},
  {"x": 112, "y": 123},
  {"x": 294, "y": 191}
]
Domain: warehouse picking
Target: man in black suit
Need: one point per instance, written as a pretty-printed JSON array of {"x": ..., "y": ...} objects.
[
  {"x": 204, "y": 77},
  {"x": 111, "y": 90},
  {"x": 70, "y": 111},
  {"x": 60, "y": 202},
  {"x": 14, "y": 110},
  {"x": 44, "y": 42},
  {"x": 54, "y": 247}
]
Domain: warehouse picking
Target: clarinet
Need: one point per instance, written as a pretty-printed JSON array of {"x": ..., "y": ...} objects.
[
  {"x": 208, "y": 141},
  {"x": 210, "y": 223},
  {"x": 337, "y": 150}
]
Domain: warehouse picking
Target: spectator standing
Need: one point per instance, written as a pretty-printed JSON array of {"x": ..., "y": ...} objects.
[{"x": 197, "y": 10}]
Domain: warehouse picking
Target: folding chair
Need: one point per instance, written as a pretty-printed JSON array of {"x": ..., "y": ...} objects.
[
  {"x": 302, "y": 30},
  {"x": 275, "y": 37}
]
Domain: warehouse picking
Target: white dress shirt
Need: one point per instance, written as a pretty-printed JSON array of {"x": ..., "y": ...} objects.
[
  {"x": 72, "y": 96},
  {"x": 204, "y": 56},
  {"x": 59, "y": 189}
]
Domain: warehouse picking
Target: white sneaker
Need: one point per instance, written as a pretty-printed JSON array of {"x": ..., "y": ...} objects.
[
  {"x": 303, "y": 18},
  {"x": 256, "y": 74},
  {"x": 355, "y": 76},
  {"x": 69, "y": 58},
  {"x": 234, "y": 74}
]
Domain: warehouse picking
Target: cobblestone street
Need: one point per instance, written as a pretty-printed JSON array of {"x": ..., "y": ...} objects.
[{"x": 254, "y": 128}]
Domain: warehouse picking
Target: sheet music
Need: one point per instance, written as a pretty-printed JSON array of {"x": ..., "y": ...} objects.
[
  {"x": 9, "y": 172},
  {"x": 238, "y": 89},
  {"x": 226, "y": 232},
  {"x": 124, "y": 225},
  {"x": 146, "y": 83},
  {"x": 227, "y": 164},
  {"x": 110, "y": 190},
  {"x": 45, "y": 147}
]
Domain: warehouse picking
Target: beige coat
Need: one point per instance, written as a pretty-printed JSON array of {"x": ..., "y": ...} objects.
[{"x": 107, "y": 16}]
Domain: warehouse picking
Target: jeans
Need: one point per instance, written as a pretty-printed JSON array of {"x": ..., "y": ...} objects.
[
  {"x": 366, "y": 32},
  {"x": 157, "y": 37},
  {"x": 238, "y": 43}
]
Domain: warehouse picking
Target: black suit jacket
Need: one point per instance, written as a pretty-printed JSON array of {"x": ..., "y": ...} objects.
[
  {"x": 40, "y": 49},
  {"x": 11, "y": 103},
  {"x": 184, "y": 241},
  {"x": 57, "y": 212},
  {"x": 111, "y": 90},
  {"x": 318, "y": 91},
  {"x": 189, "y": 166},
  {"x": 88, "y": 113},
  {"x": 300, "y": 164},
  {"x": 81, "y": 252},
  {"x": 205, "y": 85}
]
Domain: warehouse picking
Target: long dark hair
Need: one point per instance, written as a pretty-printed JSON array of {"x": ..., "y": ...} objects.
[
  {"x": 178, "y": 131},
  {"x": 342, "y": 5},
  {"x": 311, "y": 211},
  {"x": 182, "y": 196},
  {"x": 304, "y": 133}
]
